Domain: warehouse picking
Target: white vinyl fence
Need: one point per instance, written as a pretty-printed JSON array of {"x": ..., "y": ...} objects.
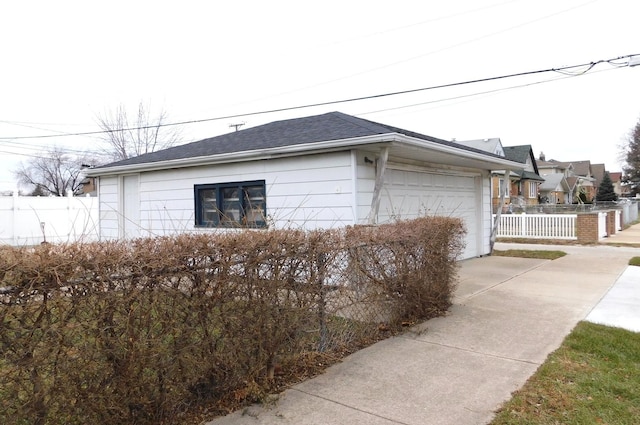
[
  {"x": 538, "y": 226},
  {"x": 31, "y": 220},
  {"x": 629, "y": 211},
  {"x": 602, "y": 225}
]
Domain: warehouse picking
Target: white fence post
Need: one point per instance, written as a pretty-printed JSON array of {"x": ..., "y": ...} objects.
[{"x": 602, "y": 225}]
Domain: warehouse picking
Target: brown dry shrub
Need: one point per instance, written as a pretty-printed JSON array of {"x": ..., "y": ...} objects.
[
  {"x": 147, "y": 330},
  {"x": 411, "y": 264}
]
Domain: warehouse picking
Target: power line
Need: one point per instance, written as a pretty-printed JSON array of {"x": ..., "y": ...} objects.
[
  {"x": 25, "y": 154},
  {"x": 617, "y": 62},
  {"x": 482, "y": 93},
  {"x": 24, "y": 147}
]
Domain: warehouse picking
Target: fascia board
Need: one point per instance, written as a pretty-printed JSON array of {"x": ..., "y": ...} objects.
[
  {"x": 307, "y": 148},
  {"x": 258, "y": 154},
  {"x": 498, "y": 163}
]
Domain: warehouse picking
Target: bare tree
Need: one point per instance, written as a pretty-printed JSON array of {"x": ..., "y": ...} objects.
[
  {"x": 126, "y": 136},
  {"x": 53, "y": 172}
]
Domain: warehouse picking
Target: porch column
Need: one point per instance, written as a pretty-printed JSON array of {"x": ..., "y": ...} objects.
[
  {"x": 506, "y": 180},
  {"x": 381, "y": 167}
]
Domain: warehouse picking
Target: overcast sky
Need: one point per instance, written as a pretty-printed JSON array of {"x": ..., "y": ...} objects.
[{"x": 65, "y": 62}]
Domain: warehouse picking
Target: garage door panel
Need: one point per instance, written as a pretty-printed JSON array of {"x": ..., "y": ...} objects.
[{"x": 410, "y": 194}]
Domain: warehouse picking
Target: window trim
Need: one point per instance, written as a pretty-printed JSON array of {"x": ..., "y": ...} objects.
[
  {"x": 218, "y": 187},
  {"x": 500, "y": 186},
  {"x": 533, "y": 190}
]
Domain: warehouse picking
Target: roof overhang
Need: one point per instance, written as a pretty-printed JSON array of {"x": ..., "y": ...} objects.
[
  {"x": 552, "y": 185},
  {"x": 401, "y": 146}
]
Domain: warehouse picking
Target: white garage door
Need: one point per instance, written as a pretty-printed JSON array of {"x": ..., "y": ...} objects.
[{"x": 409, "y": 194}]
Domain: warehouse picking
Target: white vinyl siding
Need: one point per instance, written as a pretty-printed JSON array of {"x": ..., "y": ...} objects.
[
  {"x": 312, "y": 191},
  {"x": 366, "y": 178},
  {"x": 308, "y": 192},
  {"x": 129, "y": 213},
  {"x": 485, "y": 213}
]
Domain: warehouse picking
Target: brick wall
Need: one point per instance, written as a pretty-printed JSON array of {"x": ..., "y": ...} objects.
[
  {"x": 587, "y": 228},
  {"x": 611, "y": 222}
]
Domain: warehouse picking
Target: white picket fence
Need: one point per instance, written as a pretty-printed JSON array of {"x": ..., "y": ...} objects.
[
  {"x": 538, "y": 226},
  {"x": 31, "y": 220}
]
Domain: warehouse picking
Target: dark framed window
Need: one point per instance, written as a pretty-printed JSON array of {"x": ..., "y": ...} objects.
[{"x": 239, "y": 204}]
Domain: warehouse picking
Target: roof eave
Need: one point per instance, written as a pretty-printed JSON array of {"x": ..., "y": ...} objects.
[
  {"x": 488, "y": 161},
  {"x": 257, "y": 154}
]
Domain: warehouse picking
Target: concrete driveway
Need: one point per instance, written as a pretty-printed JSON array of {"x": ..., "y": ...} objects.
[{"x": 508, "y": 315}]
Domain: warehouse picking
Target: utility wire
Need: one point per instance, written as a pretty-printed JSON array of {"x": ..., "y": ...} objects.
[
  {"x": 562, "y": 70},
  {"x": 482, "y": 93},
  {"x": 25, "y": 147}
]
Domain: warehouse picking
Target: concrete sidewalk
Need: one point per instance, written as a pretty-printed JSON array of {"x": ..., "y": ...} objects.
[
  {"x": 508, "y": 315},
  {"x": 629, "y": 237}
]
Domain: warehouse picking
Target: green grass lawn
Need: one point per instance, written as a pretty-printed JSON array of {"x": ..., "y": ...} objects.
[
  {"x": 593, "y": 378},
  {"x": 634, "y": 261},
  {"x": 527, "y": 253}
]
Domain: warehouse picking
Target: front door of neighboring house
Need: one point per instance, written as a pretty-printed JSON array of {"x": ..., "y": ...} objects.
[{"x": 130, "y": 211}]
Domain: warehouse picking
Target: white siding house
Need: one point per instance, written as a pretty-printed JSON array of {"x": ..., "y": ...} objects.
[{"x": 324, "y": 171}]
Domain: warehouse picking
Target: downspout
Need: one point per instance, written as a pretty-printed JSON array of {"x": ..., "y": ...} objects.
[
  {"x": 381, "y": 167},
  {"x": 506, "y": 179}
]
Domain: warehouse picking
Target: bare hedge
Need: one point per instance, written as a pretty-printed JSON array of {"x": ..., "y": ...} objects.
[{"x": 144, "y": 331}]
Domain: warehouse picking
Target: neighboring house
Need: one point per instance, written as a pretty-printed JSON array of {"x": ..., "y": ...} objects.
[
  {"x": 523, "y": 186},
  {"x": 597, "y": 172},
  {"x": 555, "y": 189},
  {"x": 578, "y": 174},
  {"x": 618, "y": 188},
  {"x": 493, "y": 145},
  {"x": 321, "y": 171},
  {"x": 552, "y": 167},
  {"x": 585, "y": 182},
  {"x": 88, "y": 186}
]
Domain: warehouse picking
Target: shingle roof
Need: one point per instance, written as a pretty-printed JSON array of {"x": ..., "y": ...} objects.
[
  {"x": 551, "y": 164},
  {"x": 517, "y": 153},
  {"x": 521, "y": 154},
  {"x": 528, "y": 175},
  {"x": 598, "y": 171},
  {"x": 551, "y": 181},
  {"x": 580, "y": 168},
  {"x": 297, "y": 131}
]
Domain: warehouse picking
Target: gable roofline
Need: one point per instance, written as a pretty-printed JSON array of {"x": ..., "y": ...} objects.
[
  {"x": 521, "y": 153},
  {"x": 552, "y": 181},
  {"x": 491, "y": 145}
]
